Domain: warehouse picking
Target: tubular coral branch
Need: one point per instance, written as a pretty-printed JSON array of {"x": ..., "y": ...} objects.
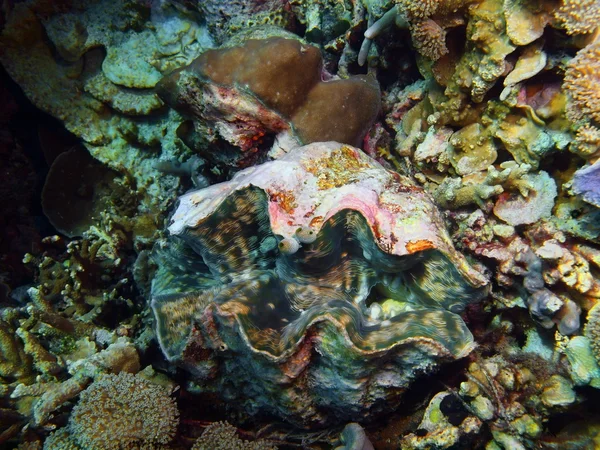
[
  {"x": 390, "y": 17},
  {"x": 386, "y": 21}
]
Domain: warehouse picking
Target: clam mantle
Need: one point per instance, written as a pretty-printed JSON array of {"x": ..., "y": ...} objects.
[{"x": 314, "y": 287}]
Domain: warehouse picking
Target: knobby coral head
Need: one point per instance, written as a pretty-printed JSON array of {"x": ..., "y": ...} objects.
[
  {"x": 266, "y": 87},
  {"x": 332, "y": 328}
]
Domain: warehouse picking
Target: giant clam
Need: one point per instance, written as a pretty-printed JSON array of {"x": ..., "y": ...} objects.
[{"x": 301, "y": 330}]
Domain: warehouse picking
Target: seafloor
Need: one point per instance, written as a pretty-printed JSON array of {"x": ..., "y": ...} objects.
[{"x": 283, "y": 224}]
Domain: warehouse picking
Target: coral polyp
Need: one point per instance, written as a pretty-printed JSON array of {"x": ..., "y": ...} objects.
[{"x": 275, "y": 321}]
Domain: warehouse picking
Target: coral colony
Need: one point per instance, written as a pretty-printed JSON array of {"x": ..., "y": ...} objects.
[{"x": 283, "y": 224}]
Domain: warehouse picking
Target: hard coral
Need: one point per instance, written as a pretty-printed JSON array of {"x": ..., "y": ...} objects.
[
  {"x": 14, "y": 361},
  {"x": 579, "y": 16},
  {"x": 223, "y": 436},
  {"x": 428, "y": 35},
  {"x": 582, "y": 81},
  {"x": 224, "y": 18},
  {"x": 429, "y": 39},
  {"x": 592, "y": 330},
  {"x": 418, "y": 10},
  {"x": 121, "y": 410},
  {"x": 266, "y": 86},
  {"x": 281, "y": 72}
]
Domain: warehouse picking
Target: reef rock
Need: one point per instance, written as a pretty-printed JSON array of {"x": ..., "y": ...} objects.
[
  {"x": 269, "y": 290},
  {"x": 250, "y": 93}
]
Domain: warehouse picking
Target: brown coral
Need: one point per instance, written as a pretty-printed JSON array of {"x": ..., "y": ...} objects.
[
  {"x": 427, "y": 8},
  {"x": 120, "y": 410},
  {"x": 579, "y": 16},
  {"x": 429, "y": 39},
  {"x": 223, "y": 436},
  {"x": 582, "y": 80}
]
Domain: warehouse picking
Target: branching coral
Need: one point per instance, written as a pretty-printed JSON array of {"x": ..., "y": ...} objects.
[{"x": 14, "y": 361}]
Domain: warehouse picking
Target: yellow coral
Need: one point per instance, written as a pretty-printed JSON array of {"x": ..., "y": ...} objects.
[
  {"x": 582, "y": 81},
  {"x": 579, "y": 16},
  {"x": 592, "y": 330},
  {"x": 418, "y": 10}
]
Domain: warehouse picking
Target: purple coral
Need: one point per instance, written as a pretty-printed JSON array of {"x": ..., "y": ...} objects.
[{"x": 587, "y": 183}]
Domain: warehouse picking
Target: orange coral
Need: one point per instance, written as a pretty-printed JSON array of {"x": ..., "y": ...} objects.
[
  {"x": 582, "y": 81},
  {"x": 579, "y": 16},
  {"x": 587, "y": 141}
]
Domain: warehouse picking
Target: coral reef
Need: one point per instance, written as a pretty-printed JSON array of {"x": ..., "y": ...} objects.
[
  {"x": 106, "y": 99},
  {"x": 393, "y": 241},
  {"x": 119, "y": 411}
]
